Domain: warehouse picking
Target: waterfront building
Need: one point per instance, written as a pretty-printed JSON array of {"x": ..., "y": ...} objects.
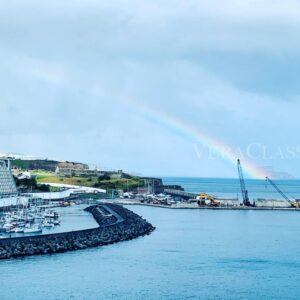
[
  {"x": 8, "y": 190},
  {"x": 7, "y": 183}
]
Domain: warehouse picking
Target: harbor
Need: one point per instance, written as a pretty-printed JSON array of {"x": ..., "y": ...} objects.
[
  {"x": 220, "y": 194},
  {"x": 34, "y": 213},
  {"x": 60, "y": 221},
  {"x": 196, "y": 254},
  {"x": 193, "y": 218}
]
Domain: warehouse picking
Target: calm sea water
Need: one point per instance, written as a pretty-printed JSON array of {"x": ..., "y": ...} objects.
[{"x": 193, "y": 254}]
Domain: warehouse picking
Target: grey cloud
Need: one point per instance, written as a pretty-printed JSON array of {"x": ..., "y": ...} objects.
[{"x": 70, "y": 68}]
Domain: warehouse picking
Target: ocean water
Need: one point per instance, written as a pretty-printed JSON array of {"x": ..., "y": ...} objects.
[{"x": 193, "y": 254}]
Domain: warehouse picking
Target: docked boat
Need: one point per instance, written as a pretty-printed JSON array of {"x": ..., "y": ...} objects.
[
  {"x": 19, "y": 228},
  {"x": 48, "y": 224},
  {"x": 28, "y": 220},
  {"x": 8, "y": 227},
  {"x": 51, "y": 214},
  {"x": 56, "y": 222},
  {"x": 33, "y": 229}
]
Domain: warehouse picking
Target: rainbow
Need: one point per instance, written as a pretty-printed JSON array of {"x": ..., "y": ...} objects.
[{"x": 195, "y": 135}]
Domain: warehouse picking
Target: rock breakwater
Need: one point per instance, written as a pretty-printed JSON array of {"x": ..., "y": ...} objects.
[{"x": 116, "y": 224}]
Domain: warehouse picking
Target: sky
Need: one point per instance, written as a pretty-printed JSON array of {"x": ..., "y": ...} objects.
[{"x": 121, "y": 84}]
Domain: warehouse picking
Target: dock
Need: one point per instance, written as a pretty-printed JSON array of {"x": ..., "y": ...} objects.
[{"x": 195, "y": 206}]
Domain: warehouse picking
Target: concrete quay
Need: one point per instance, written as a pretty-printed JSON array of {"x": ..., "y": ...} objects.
[{"x": 195, "y": 206}]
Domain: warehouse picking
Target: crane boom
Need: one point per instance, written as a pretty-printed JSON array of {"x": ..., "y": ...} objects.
[
  {"x": 278, "y": 189},
  {"x": 242, "y": 183}
]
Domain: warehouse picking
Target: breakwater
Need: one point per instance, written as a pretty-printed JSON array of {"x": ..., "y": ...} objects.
[{"x": 116, "y": 224}]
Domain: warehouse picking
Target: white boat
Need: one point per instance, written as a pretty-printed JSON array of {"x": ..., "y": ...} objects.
[
  {"x": 48, "y": 224},
  {"x": 56, "y": 222},
  {"x": 18, "y": 229},
  {"x": 51, "y": 214},
  {"x": 33, "y": 229},
  {"x": 8, "y": 226}
]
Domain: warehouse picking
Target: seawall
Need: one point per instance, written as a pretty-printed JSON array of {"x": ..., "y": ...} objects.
[{"x": 116, "y": 224}]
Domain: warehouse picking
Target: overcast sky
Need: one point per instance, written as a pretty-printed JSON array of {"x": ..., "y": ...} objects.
[{"x": 73, "y": 73}]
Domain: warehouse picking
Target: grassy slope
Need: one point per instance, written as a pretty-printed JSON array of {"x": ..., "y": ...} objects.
[{"x": 50, "y": 177}]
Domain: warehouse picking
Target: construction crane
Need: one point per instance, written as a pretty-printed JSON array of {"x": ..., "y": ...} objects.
[
  {"x": 293, "y": 203},
  {"x": 203, "y": 197},
  {"x": 246, "y": 201}
]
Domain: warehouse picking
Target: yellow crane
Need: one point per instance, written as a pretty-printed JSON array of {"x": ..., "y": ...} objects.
[{"x": 203, "y": 197}]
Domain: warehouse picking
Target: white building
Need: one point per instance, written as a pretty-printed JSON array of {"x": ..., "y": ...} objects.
[
  {"x": 7, "y": 183},
  {"x": 8, "y": 189},
  {"x": 68, "y": 190}
]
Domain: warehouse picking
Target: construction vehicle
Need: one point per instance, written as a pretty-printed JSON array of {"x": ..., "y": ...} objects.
[
  {"x": 293, "y": 203},
  {"x": 203, "y": 197},
  {"x": 246, "y": 201}
]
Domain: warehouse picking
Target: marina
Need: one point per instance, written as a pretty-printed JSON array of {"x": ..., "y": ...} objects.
[
  {"x": 28, "y": 220},
  {"x": 193, "y": 245},
  {"x": 70, "y": 219}
]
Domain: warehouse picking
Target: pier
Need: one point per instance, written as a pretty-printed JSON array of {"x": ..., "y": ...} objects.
[{"x": 186, "y": 205}]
